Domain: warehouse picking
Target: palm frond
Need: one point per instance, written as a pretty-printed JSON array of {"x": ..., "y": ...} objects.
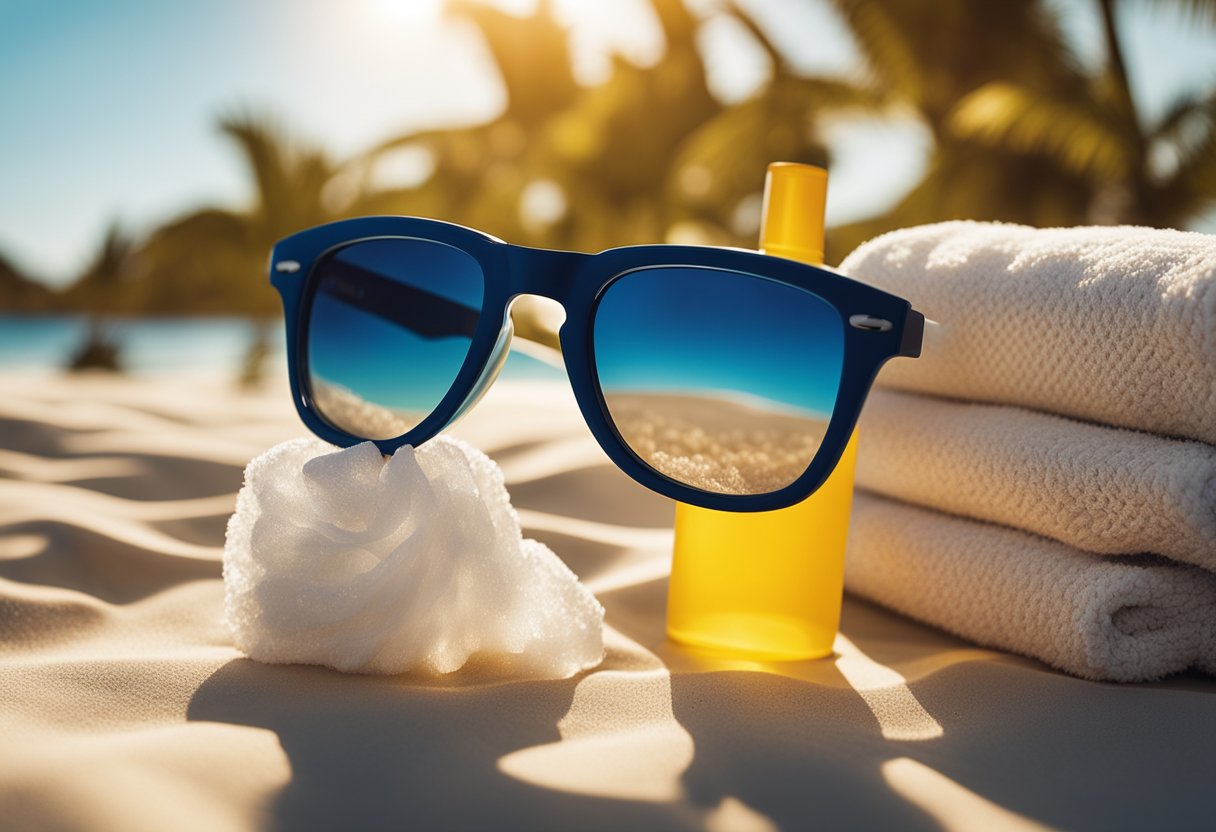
[
  {"x": 264, "y": 147},
  {"x": 533, "y": 58},
  {"x": 885, "y": 45},
  {"x": 724, "y": 160},
  {"x": 289, "y": 177},
  {"x": 775, "y": 57},
  {"x": 1183, "y": 111},
  {"x": 1191, "y": 189},
  {"x": 1197, "y": 158},
  {"x": 1008, "y": 115},
  {"x": 1199, "y": 11},
  {"x": 1185, "y": 133}
]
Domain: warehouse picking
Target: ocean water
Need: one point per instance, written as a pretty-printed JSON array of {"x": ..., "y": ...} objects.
[
  {"x": 147, "y": 345},
  {"x": 159, "y": 346}
]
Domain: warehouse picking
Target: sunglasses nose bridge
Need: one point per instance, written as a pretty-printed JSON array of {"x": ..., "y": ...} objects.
[{"x": 544, "y": 272}]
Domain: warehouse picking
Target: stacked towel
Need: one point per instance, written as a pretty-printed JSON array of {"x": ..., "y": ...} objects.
[
  {"x": 1102, "y": 489},
  {"x": 1111, "y": 325},
  {"x": 999, "y": 515}
]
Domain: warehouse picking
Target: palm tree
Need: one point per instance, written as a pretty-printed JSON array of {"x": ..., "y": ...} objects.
[
  {"x": 213, "y": 259},
  {"x": 929, "y": 57},
  {"x": 1093, "y": 130},
  {"x": 101, "y": 290},
  {"x": 717, "y": 178},
  {"x": 1021, "y": 131},
  {"x": 479, "y": 174},
  {"x": 647, "y": 149}
]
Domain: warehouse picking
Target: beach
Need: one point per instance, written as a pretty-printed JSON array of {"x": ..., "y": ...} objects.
[{"x": 124, "y": 705}]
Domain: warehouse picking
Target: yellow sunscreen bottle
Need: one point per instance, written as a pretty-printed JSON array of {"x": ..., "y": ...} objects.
[{"x": 769, "y": 584}]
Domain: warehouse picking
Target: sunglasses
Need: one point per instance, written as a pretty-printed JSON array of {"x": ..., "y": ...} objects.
[{"x": 721, "y": 378}]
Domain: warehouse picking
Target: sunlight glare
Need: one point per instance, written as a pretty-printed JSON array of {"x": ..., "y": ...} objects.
[
  {"x": 886, "y": 693},
  {"x": 599, "y": 30},
  {"x": 620, "y": 740},
  {"x": 955, "y": 807},
  {"x": 407, "y": 11}
]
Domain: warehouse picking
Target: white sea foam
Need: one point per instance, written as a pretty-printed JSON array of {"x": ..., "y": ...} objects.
[{"x": 345, "y": 559}]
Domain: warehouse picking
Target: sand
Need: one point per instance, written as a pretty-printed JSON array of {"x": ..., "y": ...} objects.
[
  {"x": 349, "y": 411},
  {"x": 714, "y": 443},
  {"x": 124, "y": 706}
]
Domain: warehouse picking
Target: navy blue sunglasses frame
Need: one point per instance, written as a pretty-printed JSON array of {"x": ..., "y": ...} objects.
[{"x": 877, "y": 326}]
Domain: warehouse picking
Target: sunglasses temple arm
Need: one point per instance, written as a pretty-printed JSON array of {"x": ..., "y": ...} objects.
[
  {"x": 541, "y": 352},
  {"x": 421, "y": 312},
  {"x": 917, "y": 331}
]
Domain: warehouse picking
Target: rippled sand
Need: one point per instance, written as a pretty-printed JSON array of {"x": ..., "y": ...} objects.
[{"x": 124, "y": 706}]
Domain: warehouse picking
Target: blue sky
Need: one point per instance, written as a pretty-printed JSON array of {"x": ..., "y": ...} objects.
[{"x": 110, "y": 107}]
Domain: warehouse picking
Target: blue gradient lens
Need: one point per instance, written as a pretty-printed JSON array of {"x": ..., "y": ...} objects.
[
  {"x": 389, "y": 328},
  {"x": 721, "y": 380}
]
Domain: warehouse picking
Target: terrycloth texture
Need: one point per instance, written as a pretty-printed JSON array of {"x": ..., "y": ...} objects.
[
  {"x": 1112, "y": 325},
  {"x": 1096, "y": 488},
  {"x": 1085, "y": 614}
]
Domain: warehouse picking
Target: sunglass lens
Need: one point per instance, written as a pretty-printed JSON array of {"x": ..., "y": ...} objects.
[
  {"x": 721, "y": 380},
  {"x": 388, "y": 329}
]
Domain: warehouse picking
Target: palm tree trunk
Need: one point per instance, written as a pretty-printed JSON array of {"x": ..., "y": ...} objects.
[{"x": 1136, "y": 205}]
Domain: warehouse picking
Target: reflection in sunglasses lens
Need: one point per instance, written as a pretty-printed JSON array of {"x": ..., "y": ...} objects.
[
  {"x": 720, "y": 380},
  {"x": 389, "y": 328}
]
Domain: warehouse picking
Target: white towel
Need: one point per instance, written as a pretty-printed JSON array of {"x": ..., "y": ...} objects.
[
  {"x": 1112, "y": 325},
  {"x": 1097, "y": 488},
  {"x": 1088, "y": 615}
]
